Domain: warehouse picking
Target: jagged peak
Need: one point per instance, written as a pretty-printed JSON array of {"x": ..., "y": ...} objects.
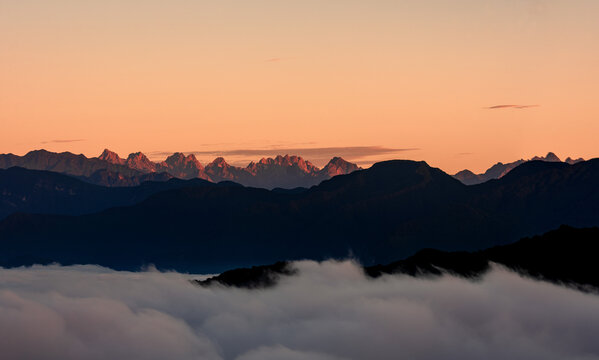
[
  {"x": 107, "y": 152},
  {"x": 179, "y": 157},
  {"x": 549, "y": 157},
  {"x": 140, "y": 161},
  {"x": 191, "y": 157},
  {"x": 282, "y": 159},
  {"x": 219, "y": 161},
  {"x": 338, "y": 160},
  {"x": 265, "y": 161},
  {"x": 137, "y": 155},
  {"x": 110, "y": 156},
  {"x": 339, "y": 166},
  {"x": 175, "y": 158}
]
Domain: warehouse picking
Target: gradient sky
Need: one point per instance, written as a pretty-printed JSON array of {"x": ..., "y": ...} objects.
[{"x": 226, "y": 76}]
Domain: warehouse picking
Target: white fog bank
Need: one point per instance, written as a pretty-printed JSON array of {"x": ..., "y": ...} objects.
[{"x": 329, "y": 311}]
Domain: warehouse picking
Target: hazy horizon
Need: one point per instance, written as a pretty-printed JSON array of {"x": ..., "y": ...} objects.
[{"x": 317, "y": 156}]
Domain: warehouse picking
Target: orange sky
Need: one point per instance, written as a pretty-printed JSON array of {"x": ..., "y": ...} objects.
[{"x": 221, "y": 76}]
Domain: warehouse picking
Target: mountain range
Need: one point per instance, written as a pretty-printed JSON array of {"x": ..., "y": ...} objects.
[
  {"x": 500, "y": 169},
  {"x": 377, "y": 215},
  {"x": 281, "y": 171},
  {"x": 111, "y": 170}
]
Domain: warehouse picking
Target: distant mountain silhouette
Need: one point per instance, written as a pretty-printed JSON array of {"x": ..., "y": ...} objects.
[
  {"x": 109, "y": 169},
  {"x": 66, "y": 163},
  {"x": 112, "y": 157},
  {"x": 183, "y": 167},
  {"x": 572, "y": 161},
  {"x": 117, "y": 179},
  {"x": 279, "y": 172},
  {"x": 563, "y": 256},
  {"x": 338, "y": 166},
  {"x": 39, "y": 192},
  {"x": 500, "y": 169},
  {"x": 380, "y": 214},
  {"x": 220, "y": 170}
]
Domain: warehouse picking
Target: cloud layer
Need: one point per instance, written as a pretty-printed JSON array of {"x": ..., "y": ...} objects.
[
  {"x": 330, "y": 311},
  {"x": 349, "y": 151}
]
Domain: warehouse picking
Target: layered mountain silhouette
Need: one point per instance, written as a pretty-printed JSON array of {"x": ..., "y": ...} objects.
[
  {"x": 38, "y": 192},
  {"x": 500, "y": 169},
  {"x": 564, "y": 256},
  {"x": 109, "y": 169},
  {"x": 377, "y": 215},
  {"x": 113, "y": 178}
]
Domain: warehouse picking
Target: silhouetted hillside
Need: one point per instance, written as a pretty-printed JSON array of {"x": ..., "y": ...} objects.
[
  {"x": 566, "y": 256},
  {"x": 39, "y": 192},
  {"x": 116, "y": 179},
  {"x": 389, "y": 211},
  {"x": 251, "y": 278}
]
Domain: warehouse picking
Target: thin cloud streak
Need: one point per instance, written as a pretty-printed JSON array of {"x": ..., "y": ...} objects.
[
  {"x": 61, "y": 141},
  {"x": 360, "y": 151},
  {"x": 277, "y": 59},
  {"x": 510, "y": 106}
]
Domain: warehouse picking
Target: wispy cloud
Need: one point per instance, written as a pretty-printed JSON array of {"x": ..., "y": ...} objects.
[
  {"x": 277, "y": 58},
  {"x": 61, "y": 141},
  {"x": 338, "y": 151},
  {"x": 510, "y": 106}
]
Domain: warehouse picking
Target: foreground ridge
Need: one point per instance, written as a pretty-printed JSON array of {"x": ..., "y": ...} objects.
[{"x": 563, "y": 256}]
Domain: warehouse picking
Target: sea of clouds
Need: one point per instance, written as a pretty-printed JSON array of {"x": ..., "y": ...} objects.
[{"x": 328, "y": 311}]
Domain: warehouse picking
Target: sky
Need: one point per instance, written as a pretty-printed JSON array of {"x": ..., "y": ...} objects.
[{"x": 372, "y": 80}]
